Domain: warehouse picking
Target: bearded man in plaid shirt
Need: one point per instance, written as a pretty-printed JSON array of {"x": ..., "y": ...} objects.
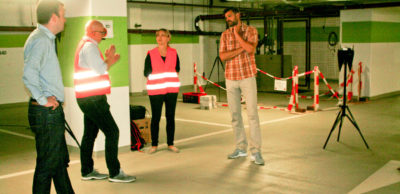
[{"x": 238, "y": 45}]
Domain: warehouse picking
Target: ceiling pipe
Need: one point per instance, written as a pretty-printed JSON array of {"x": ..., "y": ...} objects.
[
  {"x": 151, "y": 31},
  {"x": 210, "y": 5},
  {"x": 260, "y": 15}
]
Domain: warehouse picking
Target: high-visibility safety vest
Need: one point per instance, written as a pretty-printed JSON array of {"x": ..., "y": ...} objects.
[
  {"x": 87, "y": 81},
  {"x": 163, "y": 78}
]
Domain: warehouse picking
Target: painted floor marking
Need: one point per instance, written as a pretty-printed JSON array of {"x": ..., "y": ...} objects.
[
  {"x": 385, "y": 176},
  {"x": 30, "y": 171},
  {"x": 17, "y": 134},
  {"x": 163, "y": 145}
]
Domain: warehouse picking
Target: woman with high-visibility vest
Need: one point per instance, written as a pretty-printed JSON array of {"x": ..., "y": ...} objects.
[{"x": 161, "y": 69}]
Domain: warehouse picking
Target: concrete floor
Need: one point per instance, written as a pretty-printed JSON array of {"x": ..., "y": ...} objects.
[{"x": 292, "y": 149}]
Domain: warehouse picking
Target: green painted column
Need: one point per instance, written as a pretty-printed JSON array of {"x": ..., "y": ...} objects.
[{"x": 78, "y": 12}]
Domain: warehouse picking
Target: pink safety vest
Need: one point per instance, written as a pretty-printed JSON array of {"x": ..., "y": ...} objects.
[
  {"x": 163, "y": 78},
  {"x": 87, "y": 82}
]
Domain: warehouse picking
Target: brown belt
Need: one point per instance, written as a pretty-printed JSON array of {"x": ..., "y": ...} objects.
[{"x": 35, "y": 103}]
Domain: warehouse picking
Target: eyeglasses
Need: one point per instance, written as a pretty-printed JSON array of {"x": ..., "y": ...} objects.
[{"x": 102, "y": 32}]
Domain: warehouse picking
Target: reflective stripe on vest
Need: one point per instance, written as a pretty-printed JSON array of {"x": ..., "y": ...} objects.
[
  {"x": 88, "y": 82},
  {"x": 163, "y": 78}
]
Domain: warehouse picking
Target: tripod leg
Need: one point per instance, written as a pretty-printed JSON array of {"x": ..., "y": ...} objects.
[
  {"x": 340, "y": 126},
  {"x": 351, "y": 115},
  {"x": 333, "y": 127},
  {"x": 212, "y": 69},
  {"x": 222, "y": 64},
  {"x": 358, "y": 129}
]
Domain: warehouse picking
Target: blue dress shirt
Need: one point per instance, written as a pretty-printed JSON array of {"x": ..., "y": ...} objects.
[
  {"x": 42, "y": 74},
  {"x": 89, "y": 57}
]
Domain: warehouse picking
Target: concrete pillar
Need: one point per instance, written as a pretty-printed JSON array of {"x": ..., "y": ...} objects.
[{"x": 374, "y": 35}]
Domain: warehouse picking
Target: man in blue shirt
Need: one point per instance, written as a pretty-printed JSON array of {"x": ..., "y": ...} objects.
[{"x": 42, "y": 77}]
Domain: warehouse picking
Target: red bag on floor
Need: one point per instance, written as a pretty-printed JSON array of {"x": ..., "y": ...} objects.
[{"x": 137, "y": 141}]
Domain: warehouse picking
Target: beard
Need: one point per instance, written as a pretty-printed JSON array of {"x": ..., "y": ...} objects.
[{"x": 232, "y": 23}]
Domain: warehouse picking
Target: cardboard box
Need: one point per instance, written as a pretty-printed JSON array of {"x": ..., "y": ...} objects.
[
  {"x": 208, "y": 102},
  {"x": 144, "y": 128}
]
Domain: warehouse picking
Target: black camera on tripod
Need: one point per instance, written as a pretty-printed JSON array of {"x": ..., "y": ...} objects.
[{"x": 345, "y": 57}]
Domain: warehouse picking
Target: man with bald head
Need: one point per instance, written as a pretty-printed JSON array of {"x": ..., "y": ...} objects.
[{"x": 92, "y": 83}]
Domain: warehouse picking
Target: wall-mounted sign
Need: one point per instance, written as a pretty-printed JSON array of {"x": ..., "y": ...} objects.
[
  {"x": 108, "y": 24},
  {"x": 280, "y": 85}
]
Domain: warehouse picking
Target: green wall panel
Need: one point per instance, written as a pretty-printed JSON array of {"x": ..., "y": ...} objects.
[
  {"x": 385, "y": 32},
  {"x": 13, "y": 40},
  {"x": 135, "y": 39},
  {"x": 356, "y": 32},
  {"x": 72, "y": 34},
  {"x": 370, "y": 32}
]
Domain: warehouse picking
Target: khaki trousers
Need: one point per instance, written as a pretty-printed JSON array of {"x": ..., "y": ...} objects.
[{"x": 248, "y": 88}]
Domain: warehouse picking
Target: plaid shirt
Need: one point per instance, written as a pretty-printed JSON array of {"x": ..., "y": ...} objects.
[{"x": 241, "y": 66}]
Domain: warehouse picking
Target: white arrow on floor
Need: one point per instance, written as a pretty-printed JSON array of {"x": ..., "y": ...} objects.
[{"x": 385, "y": 176}]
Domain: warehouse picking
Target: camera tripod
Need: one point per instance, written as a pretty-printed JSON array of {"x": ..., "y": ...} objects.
[
  {"x": 345, "y": 58},
  {"x": 217, "y": 62}
]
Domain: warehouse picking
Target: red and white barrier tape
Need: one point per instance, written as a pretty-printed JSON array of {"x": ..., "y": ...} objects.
[
  {"x": 271, "y": 76},
  {"x": 261, "y": 107},
  {"x": 215, "y": 84},
  {"x": 349, "y": 79},
  {"x": 312, "y": 97},
  {"x": 195, "y": 82},
  {"x": 359, "y": 79},
  {"x": 271, "y": 107},
  {"x": 335, "y": 94},
  {"x": 316, "y": 88},
  {"x": 294, "y": 96},
  {"x": 278, "y": 78},
  {"x": 295, "y": 87}
]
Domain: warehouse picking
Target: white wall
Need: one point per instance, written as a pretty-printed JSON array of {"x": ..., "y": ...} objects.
[
  {"x": 14, "y": 13},
  {"x": 17, "y": 12},
  {"x": 385, "y": 56},
  {"x": 11, "y": 84},
  {"x": 385, "y": 68}
]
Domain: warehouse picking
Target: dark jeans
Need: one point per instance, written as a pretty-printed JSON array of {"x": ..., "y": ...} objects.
[
  {"x": 52, "y": 153},
  {"x": 97, "y": 116},
  {"x": 156, "y": 102}
]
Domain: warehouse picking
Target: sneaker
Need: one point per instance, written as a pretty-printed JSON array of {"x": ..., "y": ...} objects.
[
  {"x": 94, "y": 175},
  {"x": 173, "y": 149},
  {"x": 152, "y": 150},
  {"x": 122, "y": 178},
  {"x": 257, "y": 158},
  {"x": 237, "y": 153}
]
